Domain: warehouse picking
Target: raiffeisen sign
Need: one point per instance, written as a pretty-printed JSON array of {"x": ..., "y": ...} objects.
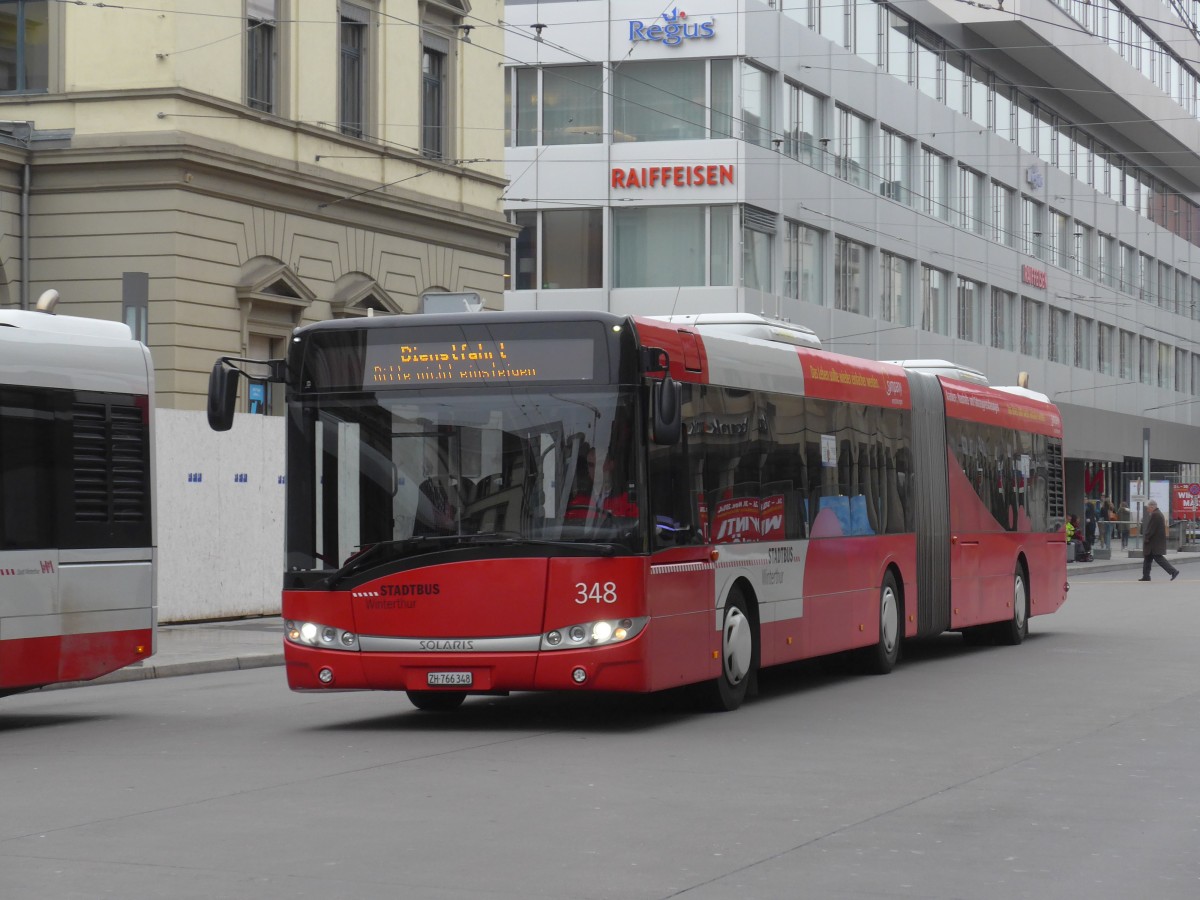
[{"x": 674, "y": 30}]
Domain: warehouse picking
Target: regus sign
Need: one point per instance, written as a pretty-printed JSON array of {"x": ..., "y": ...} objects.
[{"x": 674, "y": 30}]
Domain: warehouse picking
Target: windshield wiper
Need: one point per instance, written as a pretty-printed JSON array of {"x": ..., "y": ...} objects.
[{"x": 369, "y": 556}]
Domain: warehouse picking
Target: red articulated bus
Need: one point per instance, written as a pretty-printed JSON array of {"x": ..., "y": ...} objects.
[{"x": 481, "y": 503}]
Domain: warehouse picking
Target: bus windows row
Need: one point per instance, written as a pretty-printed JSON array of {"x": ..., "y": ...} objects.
[
  {"x": 764, "y": 466},
  {"x": 1012, "y": 472}
]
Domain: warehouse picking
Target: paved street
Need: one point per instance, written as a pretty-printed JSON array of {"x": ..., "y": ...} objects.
[{"x": 1059, "y": 769}]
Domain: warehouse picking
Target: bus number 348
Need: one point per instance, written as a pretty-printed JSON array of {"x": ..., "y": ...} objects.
[{"x": 596, "y": 592}]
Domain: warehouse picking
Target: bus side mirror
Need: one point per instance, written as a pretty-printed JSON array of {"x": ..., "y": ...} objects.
[
  {"x": 666, "y": 399},
  {"x": 222, "y": 395}
]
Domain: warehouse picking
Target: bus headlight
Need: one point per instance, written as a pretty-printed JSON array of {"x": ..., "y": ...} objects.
[
  {"x": 314, "y": 634},
  {"x": 601, "y": 633}
]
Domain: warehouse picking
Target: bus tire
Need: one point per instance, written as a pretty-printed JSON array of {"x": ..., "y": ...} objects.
[
  {"x": 882, "y": 656},
  {"x": 739, "y": 654},
  {"x": 437, "y": 701},
  {"x": 1016, "y": 629}
]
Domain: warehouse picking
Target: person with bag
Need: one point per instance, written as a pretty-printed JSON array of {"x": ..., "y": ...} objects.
[{"x": 1154, "y": 542}]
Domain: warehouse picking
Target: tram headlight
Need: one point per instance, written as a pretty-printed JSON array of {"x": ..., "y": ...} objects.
[
  {"x": 601, "y": 633},
  {"x": 314, "y": 634}
]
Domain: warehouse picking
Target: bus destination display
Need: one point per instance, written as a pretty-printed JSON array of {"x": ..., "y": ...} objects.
[{"x": 420, "y": 363}]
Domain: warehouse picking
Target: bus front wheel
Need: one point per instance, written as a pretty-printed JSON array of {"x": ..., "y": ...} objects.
[
  {"x": 739, "y": 654},
  {"x": 436, "y": 701}
]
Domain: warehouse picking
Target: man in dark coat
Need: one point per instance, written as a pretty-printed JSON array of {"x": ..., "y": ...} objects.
[{"x": 1154, "y": 542}]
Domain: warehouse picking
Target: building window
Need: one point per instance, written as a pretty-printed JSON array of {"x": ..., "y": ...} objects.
[
  {"x": 1162, "y": 374},
  {"x": 262, "y": 64},
  {"x": 1083, "y": 343},
  {"x": 866, "y": 29},
  {"x": 24, "y": 46},
  {"x": 1032, "y": 228},
  {"x": 758, "y": 235},
  {"x": 1082, "y": 245},
  {"x": 565, "y": 252},
  {"x": 1145, "y": 278},
  {"x": 895, "y": 153},
  {"x": 756, "y": 106},
  {"x": 928, "y": 52},
  {"x": 803, "y": 123},
  {"x": 1031, "y": 327},
  {"x": 1002, "y": 214},
  {"x": 970, "y": 200},
  {"x": 850, "y": 276},
  {"x": 1004, "y": 325},
  {"x": 935, "y": 304},
  {"x": 802, "y": 267},
  {"x": 897, "y": 45},
  {"x": 435, "y": 53},
  {"x": 895, "y": 289},
  {"x": 1060, "y": 239},
  {"x": 655, "y": 246},
  {"x": 970, "y": 310},
  {"x": 852, "y": 147},
  {"x": 567, "y": 105},
  {"x": 1106, "y": 259},
  {"x": 353, "y": 33},
  {"x": 1181, "y": 380},
  {"x": 1166, "y": 287},
  {"x": 1058, "y": 335},
  {"x": 1146, "y": 360},
  {"x": 665, "y": 100},
  {"x": 1128, "y": 268},
  {"x": 1125, "y": 354},
  {"x": 935, "y": 183},
  {"x": 1104, "y": 348},
  {"x": 1196, "y": 374}
]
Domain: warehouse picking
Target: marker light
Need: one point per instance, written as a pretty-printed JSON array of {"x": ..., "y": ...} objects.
[
  {"x": 578, "y": 633},
  {"x": 554, "y": 637},
  {"x": 579, "y": 676},
  {"x": 325, "y": 676}
]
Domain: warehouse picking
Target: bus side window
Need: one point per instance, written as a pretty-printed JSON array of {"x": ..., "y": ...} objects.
[{"x": 673, "y": 512}]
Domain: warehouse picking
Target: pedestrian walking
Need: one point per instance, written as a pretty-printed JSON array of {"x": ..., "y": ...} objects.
[{"x": 1154, "y": 542}]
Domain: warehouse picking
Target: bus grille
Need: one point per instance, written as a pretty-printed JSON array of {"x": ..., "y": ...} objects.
[{"x": 111, "y": 469}]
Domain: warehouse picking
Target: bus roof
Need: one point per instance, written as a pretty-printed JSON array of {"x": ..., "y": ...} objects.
[
  {"x": 52, "y": 324},
  {"x": 69, "y": 352}
]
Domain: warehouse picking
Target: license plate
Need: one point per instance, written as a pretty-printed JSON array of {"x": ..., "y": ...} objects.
[{"x": 457, "y": 679}]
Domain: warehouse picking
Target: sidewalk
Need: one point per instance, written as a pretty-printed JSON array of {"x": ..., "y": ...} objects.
[
  {"x": 195, "y": 648},
  {"x": 1122, "y": 560}
]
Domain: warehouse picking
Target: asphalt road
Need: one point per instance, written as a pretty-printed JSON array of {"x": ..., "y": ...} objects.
[{"x": 1064, "y": 768}]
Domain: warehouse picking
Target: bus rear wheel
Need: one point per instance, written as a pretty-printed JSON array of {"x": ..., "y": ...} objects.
[
  {"x": 739, "y": 654},
  {"x": 881, "y": 657},
  {"x": 1016, "y": 629},
  {"x": 437, "y": 701}
]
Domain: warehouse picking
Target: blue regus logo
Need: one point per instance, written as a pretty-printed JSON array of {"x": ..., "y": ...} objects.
[{"x": 674, "y": 30}]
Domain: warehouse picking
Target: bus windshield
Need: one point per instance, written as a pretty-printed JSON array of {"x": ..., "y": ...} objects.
[{"x": 418, "y": 471}]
